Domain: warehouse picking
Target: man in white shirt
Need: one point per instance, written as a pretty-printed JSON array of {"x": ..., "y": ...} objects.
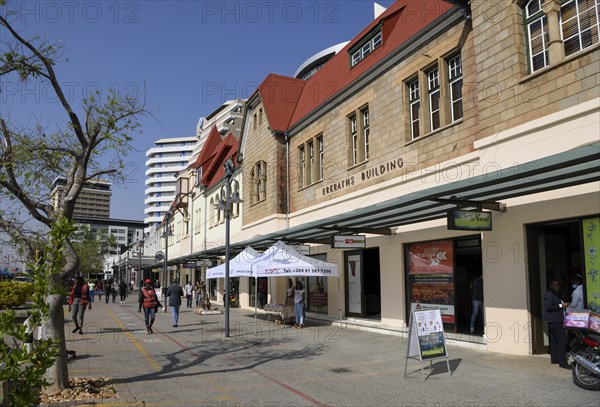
[
  {"x": 189, "y": 291},
  {"x": 577, "y": 295}
]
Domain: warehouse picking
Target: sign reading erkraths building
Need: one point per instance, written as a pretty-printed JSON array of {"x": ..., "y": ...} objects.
[{"x": 364, "y": 176}]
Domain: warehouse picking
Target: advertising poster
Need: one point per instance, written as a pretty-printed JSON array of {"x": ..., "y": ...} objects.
[
  {"x": 594, "y": 323},
  {"x": 576, "y": 318},
  {"x": 430, "y": 334},
  {"x": 591, "y": 245},
  {"x": 431, "y": 278},
  {"x": 317, "y": 294},
  {"x": 354, "y": 289}
]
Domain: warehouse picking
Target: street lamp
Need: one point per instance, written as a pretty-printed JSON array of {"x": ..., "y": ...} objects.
[
  {"x": 141, "y": 273},
  {"x": 166, "y": 236},
  {"x": 226, "y": 206}
]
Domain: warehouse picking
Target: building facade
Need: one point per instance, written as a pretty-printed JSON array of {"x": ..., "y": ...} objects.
[
  {"x": 434, "y": 110},
  {"x": 93, "y": 201},
  {"x": 165, "y": 160}
]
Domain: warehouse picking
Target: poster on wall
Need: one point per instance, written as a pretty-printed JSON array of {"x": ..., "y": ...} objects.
[
  {"x": 354, "y": 268},
  {"x": 317, "y": 294},
  {"x": 591, "y": 247},
  {"x": 431, "y": 278}
]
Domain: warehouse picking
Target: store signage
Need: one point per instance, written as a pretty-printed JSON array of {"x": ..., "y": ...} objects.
[
  {"x": 190, "y": 265},
  {"x": 349, "y": 241},
  {"x": 301, "y": 248},
  {"x": 365, "y": 175},
  {"x": 469, "y": 220}
]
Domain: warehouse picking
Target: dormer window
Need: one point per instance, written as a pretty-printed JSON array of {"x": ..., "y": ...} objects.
[{"x": 362, "y": 49}]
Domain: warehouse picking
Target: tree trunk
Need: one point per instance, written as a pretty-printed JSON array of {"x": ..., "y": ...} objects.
[{"x": 54, "y": 327}]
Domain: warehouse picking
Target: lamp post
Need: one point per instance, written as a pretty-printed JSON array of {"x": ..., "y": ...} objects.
[
  {"x": 226, "y": 206},
  {"x": 166, "y": 236},
  {"x": 142, "y": 275}
]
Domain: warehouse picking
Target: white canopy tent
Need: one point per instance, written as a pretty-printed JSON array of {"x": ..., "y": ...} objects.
[
  {"x": 280, "y": 260},
  {"x": 239, "y": 266}
]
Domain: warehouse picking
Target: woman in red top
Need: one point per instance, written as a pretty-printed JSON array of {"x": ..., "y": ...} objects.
[
  {"x": 78, "y": 300},
  {"x": 149, "y": 301}
]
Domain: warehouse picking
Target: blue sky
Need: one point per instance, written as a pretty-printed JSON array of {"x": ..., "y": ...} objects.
[{"x": 184, "y": 57}]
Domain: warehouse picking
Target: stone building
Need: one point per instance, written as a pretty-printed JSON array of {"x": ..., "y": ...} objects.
[{"x": 460, "y": 139}]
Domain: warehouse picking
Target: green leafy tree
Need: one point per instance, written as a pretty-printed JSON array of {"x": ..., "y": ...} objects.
[
  {"x": 90, "y": 141},
  {"x": 23, "y": 366},
  {"x": 91, "y": 248}
]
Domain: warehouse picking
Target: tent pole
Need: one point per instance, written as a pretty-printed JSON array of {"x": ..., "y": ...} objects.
[
  {"x": 339, "y": 301},
  {"x": 255, "y": 301}
]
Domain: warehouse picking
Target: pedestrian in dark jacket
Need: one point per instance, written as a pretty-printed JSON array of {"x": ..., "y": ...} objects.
[
  {"x": 174, "y": 294},
  {"x": 123, "y": 291},
  {"x": 553, "y": 314}
]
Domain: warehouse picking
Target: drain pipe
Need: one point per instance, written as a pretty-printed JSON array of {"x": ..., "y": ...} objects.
[{"x": 287, "y": 176}]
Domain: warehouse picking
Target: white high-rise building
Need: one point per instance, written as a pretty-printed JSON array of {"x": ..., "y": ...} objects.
[{"x": 169, "y": 156}]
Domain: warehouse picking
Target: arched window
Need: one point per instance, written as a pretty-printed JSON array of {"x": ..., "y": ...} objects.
[
  {"x": 217, "y": 218},
  {"x": 258, "y": 182},
  {"x": 211, "y": 211},
  {"x": 235, "y": 209}
]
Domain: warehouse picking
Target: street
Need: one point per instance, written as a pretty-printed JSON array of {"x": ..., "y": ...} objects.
[{"x": 195, "y": 365}]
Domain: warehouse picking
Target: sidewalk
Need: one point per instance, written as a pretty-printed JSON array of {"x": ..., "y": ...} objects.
[{"x": 323, "y": 365}]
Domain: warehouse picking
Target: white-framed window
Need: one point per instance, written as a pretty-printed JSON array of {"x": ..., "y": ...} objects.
[
  {"x": 414, "y": 101},
  {"x": 211, "y": 210},
  {"x": 537, "y": 33},
  {"x": 433, "y": 82},
  {"x": 371, "y": 42},
  {"x": 354, "y": 139},
  {"x": 359, "y": 127},
  {"x": 320, "y": 148},
  {"x": 579, "y": 25},
  {"x": 302, "y": 159},
  {"x": 311, "y": 161},
  {"x": 366, "y": 131},
  {"x": 455, "y": 83}
]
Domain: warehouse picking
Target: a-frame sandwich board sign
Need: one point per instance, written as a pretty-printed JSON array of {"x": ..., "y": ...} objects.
[{"x": 426, "y": 340}]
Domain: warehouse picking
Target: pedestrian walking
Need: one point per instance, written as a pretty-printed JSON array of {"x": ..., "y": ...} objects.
[
  {"x": 189, "y": 291},
  {"x": 198, "y": 291},
  {"x": 92, "y": 288},
  {"x": 78, "y": 301},
  {"x": 299, "y": 305},
  {"x": 108, "y": 289},
  {"x": 99, "y": 289},
  {"x": 113, "y": 291},
  {"x": 174, "y": 294},
  {"x": 123, "y": 291},
  {"x": 477, "y": 301},
  {"x": 148, "y": 300}
]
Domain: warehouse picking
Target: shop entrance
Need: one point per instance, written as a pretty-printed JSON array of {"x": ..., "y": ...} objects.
[
  {"x": 441, "y": 274},
  {"x": 467, "y": 268},
  {"x": 363, "y": 283},
  {"x": 553, "y": 253}
]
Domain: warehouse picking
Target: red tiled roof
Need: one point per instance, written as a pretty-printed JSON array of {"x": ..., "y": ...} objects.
[
  {"x": 280, "y": 95},
  {"x": 400, "y": 22},
  {"x": 212, "y": 141},
  {"x": 212, "y": 156},
  {"x": 288, "y": 100}
]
